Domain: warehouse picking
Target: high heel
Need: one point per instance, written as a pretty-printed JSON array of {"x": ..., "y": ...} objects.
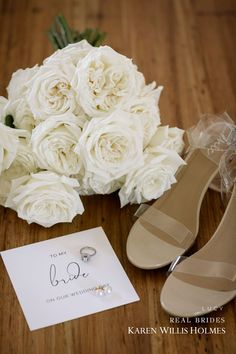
[
  {"x": 169, "y": 227},
  {"x": 207, "y": 280}
]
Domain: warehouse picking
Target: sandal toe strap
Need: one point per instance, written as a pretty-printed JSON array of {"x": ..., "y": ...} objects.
[
  {"x": 208, "y": 274},
  {"x": 167, "y": 228}
]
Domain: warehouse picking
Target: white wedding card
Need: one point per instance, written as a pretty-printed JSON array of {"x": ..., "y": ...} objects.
[{"x": 54, "y": 285}]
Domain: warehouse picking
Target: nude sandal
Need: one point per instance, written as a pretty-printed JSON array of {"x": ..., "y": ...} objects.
[
  {"x": 169, "y": 227},
  {"x": 206, "y": 281}
]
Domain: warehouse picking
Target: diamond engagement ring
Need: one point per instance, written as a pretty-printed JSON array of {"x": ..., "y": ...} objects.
[{"x": 87, "y": 252}]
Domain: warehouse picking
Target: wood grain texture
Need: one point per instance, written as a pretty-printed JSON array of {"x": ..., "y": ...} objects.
[{"x": 189, "y": 47}]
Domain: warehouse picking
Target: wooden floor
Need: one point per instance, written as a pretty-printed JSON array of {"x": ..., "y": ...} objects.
[{"x": 189, "y": 47}]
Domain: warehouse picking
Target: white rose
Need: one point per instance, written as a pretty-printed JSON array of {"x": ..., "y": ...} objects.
[
  {"x": 152, "y": 90},
  {"x": 146, "y": 109},
  {"x": 152, "y": 179},
  {"x": 21, "y": 113},
  {"x": 170, "y": 138},
  {"x": 111, "y": 146},
  {"x": 17, "y": 106},
  {"x": 24, "y": 157},
  {"x": 105, "y": 80},
  {"x": 5, "y": 185},
  {"x": 53, "y": 142},
  {"x": 23, "y": 164},
  {"x": 9, "y": 140},
  {"x": 50, "y": 92},
  {"x": 72, "y": 54},
  {"x": 3, "y": 103},
  {"x": 17, "y": 87},
  {"x": 91, "y": 183},
  {"x": 45, "y": 198}
]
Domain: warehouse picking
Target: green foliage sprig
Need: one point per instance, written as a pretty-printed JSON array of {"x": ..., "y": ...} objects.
[{"x": 61, "y": 34}]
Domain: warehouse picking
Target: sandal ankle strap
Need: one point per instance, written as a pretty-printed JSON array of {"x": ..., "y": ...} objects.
[{"x": 213, "y": 135}]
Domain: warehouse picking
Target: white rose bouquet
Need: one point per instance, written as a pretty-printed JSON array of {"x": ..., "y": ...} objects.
[{"x": 83, "y": 122}]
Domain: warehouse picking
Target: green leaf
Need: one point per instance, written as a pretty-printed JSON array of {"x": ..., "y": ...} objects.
[
  {"x": 9, "y": 121},
  {"x": 57, "y": 37},
  {"x": 65, "y": 28},
  {"x": 100, "y": 39},
  {"x": 53, "y": 40},
  {"x": 93, "y": 36},
  {"x": 60, "y": 34}
]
